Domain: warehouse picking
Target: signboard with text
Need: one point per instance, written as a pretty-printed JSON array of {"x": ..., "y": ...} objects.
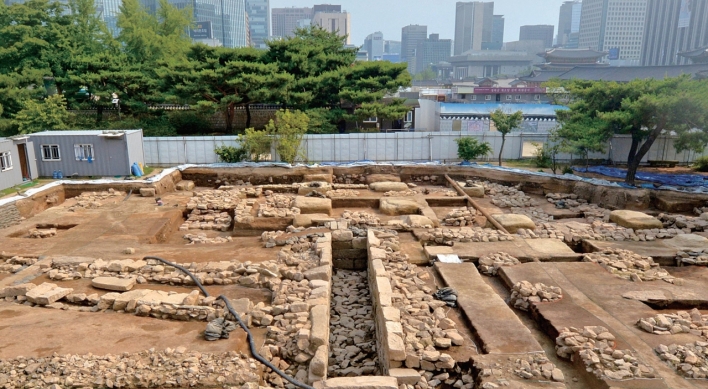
[
  {"x": 509, "y": 90},
  {"x": 201, "y": 30}
]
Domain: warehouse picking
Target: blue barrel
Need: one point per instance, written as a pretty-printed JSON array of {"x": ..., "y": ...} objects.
[
  {"x": 135, "y": 169},
  {"x": 55, "y": 175},
  {"x": 60, "y": 175}
]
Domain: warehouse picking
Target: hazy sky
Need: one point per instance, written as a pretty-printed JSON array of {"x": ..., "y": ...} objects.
[{"x": 389, "y": 16}]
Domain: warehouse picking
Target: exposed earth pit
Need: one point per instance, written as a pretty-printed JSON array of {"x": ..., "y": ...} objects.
[{"x": 376, "y": 277}]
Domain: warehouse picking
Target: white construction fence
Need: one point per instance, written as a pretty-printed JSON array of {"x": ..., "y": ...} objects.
[{"x": 394, "y": 147}]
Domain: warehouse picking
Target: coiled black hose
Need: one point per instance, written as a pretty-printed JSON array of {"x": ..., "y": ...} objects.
[{"x": 249, "y": 336}]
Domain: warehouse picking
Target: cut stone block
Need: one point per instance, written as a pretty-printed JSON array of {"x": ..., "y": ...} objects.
[
  {"x": 635, "y": 220},
  {"x": 318, "y": 364},
  {"x": 16, "y": 290},
  {"x": 313, "y": 205},
  {"x": 47, "y": 293},
  {"x": 372, "y": 382},
  {"x": 371, "y": 178},
  {"x": 61, "y": 261},
  {"x": 147, "y": 192},
  {"x": 113, "y": 283},
  {"x": 323, "y": 188},
  {"x": 388, "y": 186},
  {"x": 398, "y": 207},
  {"x": 512, "y": 222},
  {"x": 686, "y": 242},
  {"x": 405, "y": 376},
  {"x": 185, "y": 185},
  {"x": 472, "y": 191},
  {"x": 417, "y": 221},
  {"x": 323, "y": 273},
  {"x": 310, "y": 220},
  {"x": 124, "y": 300},
  {"x": 319, "y": 334},
  {"x": 432, "y": 252}
]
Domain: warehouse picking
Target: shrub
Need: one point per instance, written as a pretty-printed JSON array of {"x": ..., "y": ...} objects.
[
  {"x": 256, "y": 144},
  {"x": 189, "y": 123},
  {"x": 231, "y": 154},
  {"x": 469, "y": 148},
  {"x": 543, "y": 157},
  {"x": 701, "y": 164},
  {"x": 568, "y": 170}
]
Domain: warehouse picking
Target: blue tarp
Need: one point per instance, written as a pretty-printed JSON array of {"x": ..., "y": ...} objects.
[{"x": 687, "y": 180}]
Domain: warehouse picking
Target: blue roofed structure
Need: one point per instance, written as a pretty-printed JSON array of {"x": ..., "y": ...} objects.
[{"x": 484, "y": 110}]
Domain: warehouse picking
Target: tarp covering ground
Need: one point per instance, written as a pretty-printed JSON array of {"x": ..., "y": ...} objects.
[{"x": 687, "y": 180}]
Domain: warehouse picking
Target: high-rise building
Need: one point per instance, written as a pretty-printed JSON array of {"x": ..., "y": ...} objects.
[
  {"x": 542, "y": 32},
  {"x": 374, "y": 46},
  {"x": 258, "y": 21},
  {"x": 615, "y": 26},
  {"x": 432, "y": 51},
  {"x": 329, "y": 8},
  {"x": 410, "y": 36},
  {"x": 569, "y": 24},
  {"x": 674, "y": 26},
  {"x": 392, "y": 47},
  {"x": 339, "y": 22},
  {"x": 497, "y": 41},
  {"x": 473, "y": 25},
  {"x": 286, "y": 20}
]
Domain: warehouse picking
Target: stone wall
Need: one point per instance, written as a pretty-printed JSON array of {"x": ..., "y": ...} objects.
[
  {"x": 392, "y": 351},
  {"x": 9, "y": 215},
  {"x": 348, "y": 250}
]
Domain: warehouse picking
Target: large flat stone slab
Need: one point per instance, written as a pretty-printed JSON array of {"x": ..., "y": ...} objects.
[
  {"x": 525, "y": 250},
  {"x": 358, "y": 383},
  {"x": 313, "y": 205},
  {"x": 398, "y": 207},
  {"x": 388, "y": 187},
  {"x": 497, "y": 326},
  {"x": 635, "y": 220},
  {"x": 113, "y": 283},
  {"x": 47, "y": 293},
  {"x": 309, "y": 220},
  {"x": 512, "y": 222}
]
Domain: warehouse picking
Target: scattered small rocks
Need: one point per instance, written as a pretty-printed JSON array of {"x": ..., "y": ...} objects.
[
  {"x": 460, "y": 217},
  {"x": 524, "y": 293},
  {"x": 596, "y": 347},
  {"x": 92, "y": 200},
  {"x": 171, "y": 368},
  {"x": 490, "y": 263},
  {"x": 537, "y": 367},
  {"x": 689, "y": 360},
  {"x": 629, "y": 265},
  {"x": 202, "y": 238},
  {"x": 361, "y": 219},
  {"x": 695, "y": 257},
  {"x": 215, "y": 199},
  {"x": 404, "y": 193},
  {"x": 15, "y": 264},
  {"x": 686, "y": 223},
  {"x": 505, "y": 196},
  {"x": 448, "y": 236},
  {"x": 207, "y": 220},
  {"x": 352, "y": 328},
  {"x": 682, "y": 322},
  {"x": 278, "y": 205}
]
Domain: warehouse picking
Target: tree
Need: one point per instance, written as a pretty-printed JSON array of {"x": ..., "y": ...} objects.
[
  {"x": 256, "y": 143},
  {"x": 425, "y": 75},
  {"x": 643, "y": 109},
  {"x": 469, "y": 148},
  {"x": 324, "y": 120},
  {"x": 288, "y": 129},
  {"x": 393, "y": 110},
  {"x": 50, "y": 114},
  {"x": 582, "y": 137},
  {"x": 504, "y": 123},
  {"x": 224, "y": 79}
]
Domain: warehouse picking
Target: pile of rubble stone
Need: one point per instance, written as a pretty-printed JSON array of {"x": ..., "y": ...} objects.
[
  {"x": 92, "y": 200},
  {"x": 202, "y": 238},
  {"x": 352, "y": 329},
  {"x": 537, "y": 367},
  {"x": 15, "y": 264},
  {"x": 207, "y": 219},
  {"x": 688, "y": 360},
  {"x": 361, "y": 219},
  {"x": 504, "y": 196},
  {"x": 542, "y": 231},
  {"x": 681, "y": 222},
  {"x": 460, "y": 217},
  {"x": 215, "y": 200},
  {"x": 524, "y": 293},
  {"x": 404, "y": 193},
  {"x": 698, "y": 257},
  {"x": 465, "y": 234},
  {"x": 682, "y": 322},
  {"x": 629, "y": 265},
  {"x": 349, "y": 178},
  {"x": 278, "y": 205},
  {"x": 41, "y": 233},
  {"x": 565, "y": 200},
  {"x": 489, "y": 264},
  {"x": 342, "y": 193},
  {"x": 171, "y": 368},
  {"x": 242, "y": 212},
  {"x": 534, "y": 213},
  {"x": 596, "y": 347}
]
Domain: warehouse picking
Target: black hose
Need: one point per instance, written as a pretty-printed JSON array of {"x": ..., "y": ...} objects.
[
  {"x": 249, "y": 336},
  {"x": 129, "y": 193}
]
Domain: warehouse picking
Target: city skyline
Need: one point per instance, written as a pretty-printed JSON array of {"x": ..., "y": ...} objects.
[{"x": 371, "y": 16}]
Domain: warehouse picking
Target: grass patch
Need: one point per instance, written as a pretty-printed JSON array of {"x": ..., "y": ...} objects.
[{"x": 21, "y": 187}]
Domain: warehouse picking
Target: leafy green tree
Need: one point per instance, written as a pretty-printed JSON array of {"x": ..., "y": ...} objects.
[
  {"x": 643, "y": 109},
  {"x": 582, "y": 137},
  {"x": 324, "y": 120},
  {"x": 426, "y": 75},
  {"x": 288, "y": 129},
  {"x": 256, "y": 143},
  {"x": 383, "y": 111},
  {"x": 469, "y": 148},
  {"x": 231, "y": 154},
  {"x": 505, "y": 123},
  {"x": 50, "y": 114},
  {"x": 223, "y": 79}
]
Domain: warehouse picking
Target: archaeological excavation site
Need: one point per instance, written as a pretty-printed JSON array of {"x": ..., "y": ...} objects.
[{"x": 369, "y": 276}]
